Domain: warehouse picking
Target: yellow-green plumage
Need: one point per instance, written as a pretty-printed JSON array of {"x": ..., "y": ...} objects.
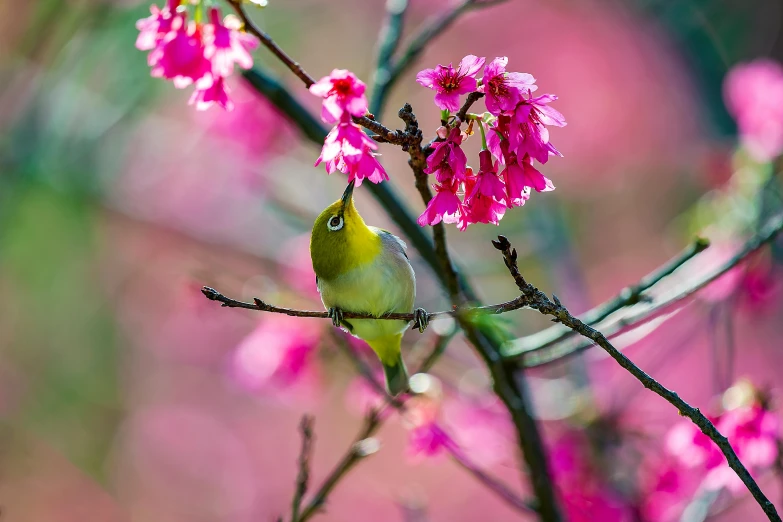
[{"x": 364, "y": 269}]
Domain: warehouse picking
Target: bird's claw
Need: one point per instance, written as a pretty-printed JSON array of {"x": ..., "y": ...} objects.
[
  {"x": 336, "y": 315},
  {"x": 421, "y": 319}
]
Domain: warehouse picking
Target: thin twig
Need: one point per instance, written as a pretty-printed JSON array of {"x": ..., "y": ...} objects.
[
  {"x": 629, "y": 296},
  {"x": 302, "y": 479},
  {"x": 472, "y": 98},
  {"x": 645, "y": 312},
  {"x": 261, "y": 306},
  {"x": 554, "y": 308}
]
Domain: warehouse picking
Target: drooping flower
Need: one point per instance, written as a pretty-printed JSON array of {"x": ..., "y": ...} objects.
[
  {"x": 215, "y": 92},
  {"x": 348, "y": 149},
  {"x": 486, "y": 194},
  {"x": 527, "y": 128},
  {"x": 445, "y": 206},
  {"x": 448, "y": 83},
  {"x": 342, "y": 92},
  {"x": 225, "y": 45},
  {"x": 754, "y": 96},
  {"x": 447, "y": 160},
  {"x": 180, "y": 57},
  {"x": 154, "y": 28},
  {"x": 504, "y": 90},
  {"x": 521, "y": 178}
]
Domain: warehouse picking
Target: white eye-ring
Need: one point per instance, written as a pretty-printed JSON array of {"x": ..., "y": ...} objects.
[{"x": 335, "y": 223}]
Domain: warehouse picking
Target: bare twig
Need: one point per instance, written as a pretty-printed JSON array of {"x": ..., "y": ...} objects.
[
  {"x": 306, "y": 427},
  {"x": 554, "y": 308},
  {"x": 472, "y": 98},
  {"x": 629, "y": 296},
  {"x": 644, "y": 312},
  {"x": 261, "y": 306}
]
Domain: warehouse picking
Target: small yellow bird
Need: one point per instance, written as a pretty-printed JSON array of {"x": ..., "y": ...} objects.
[{"x": 363, "y": 269}]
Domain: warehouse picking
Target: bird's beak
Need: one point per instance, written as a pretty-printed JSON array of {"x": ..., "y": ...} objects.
[{"x": 347, "y": 194}]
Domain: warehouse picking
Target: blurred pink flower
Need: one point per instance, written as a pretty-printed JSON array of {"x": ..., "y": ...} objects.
[
  {"x": 216, "y": 92},
  {"x": 527, "y": 131},
  {"x": 342, "y": 92},
  {"x": 428, "y": 440},
  {"x": 504, "y": 90},
  {"x": 483, "y": 431},
  {"x": 180, "y": 57},
  {"x": 691, "y": 447},
  {"x": 447, "y": 160},
  {"x": 153, "y": 29},
  {"x": 361, "y": 396},
  {"x": 663, "y": 494},
  {"x": 754, "y": 96},
  {"x": 445, "y": 206},
  {"x": 277, "y": 353},
  {"x": 448, "y": 83},
  {"x": 225, "y": 46},
  {"x": 348, "y": 149}
]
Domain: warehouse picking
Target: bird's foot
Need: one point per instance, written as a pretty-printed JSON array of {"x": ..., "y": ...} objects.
[
  {"x": 421, "y": 319},
  {"x": 336, "y": 315}
]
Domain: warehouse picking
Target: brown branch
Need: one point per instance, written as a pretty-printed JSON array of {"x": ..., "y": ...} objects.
[
  {"x": 554, "y": 308},
  {"x": 472, "y": 98},
  {"x": 306, "y": 428},
  {"x": 261, "y": 306}
]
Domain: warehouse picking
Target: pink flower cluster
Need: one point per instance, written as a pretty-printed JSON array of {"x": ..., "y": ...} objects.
[
  {"x": 753, "y": 432},
  {"x": 347, "y": 148},
  {"x": 516, "y": 134},
  {"x": 191, "y": 52}
]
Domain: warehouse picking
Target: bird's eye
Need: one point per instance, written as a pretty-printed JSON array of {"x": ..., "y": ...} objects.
[{"x": 335, "y": 223}]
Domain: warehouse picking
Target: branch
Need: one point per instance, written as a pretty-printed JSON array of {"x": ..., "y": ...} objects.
[
  {"x": 545, "y": 306},
  {"x": 261, "y": 306},
  {"x": 472, "y": 98},
  {"x": 629, "y": 296},
  {"x": 634, "y": 318},
  {"x": 306, "y": 427}
]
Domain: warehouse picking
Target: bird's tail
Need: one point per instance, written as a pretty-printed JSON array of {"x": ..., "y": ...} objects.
[
  {"x": 396, "y": 377},
  {"x": 388, "y": 351}
]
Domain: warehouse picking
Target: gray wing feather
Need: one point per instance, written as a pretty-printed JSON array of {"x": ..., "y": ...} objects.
[{"x": 391, "y": 241}]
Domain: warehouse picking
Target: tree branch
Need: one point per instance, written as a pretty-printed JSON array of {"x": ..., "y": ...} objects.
[
  {"x": 261, "y": 306},
  {"x": 306, "y": 428},
  {"x": 629, "y": 296},
  {"x": 645, "y": 312},
  {"x": 545, "y": 306}
]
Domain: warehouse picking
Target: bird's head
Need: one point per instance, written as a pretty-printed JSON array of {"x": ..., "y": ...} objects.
[{"x": 340, "y": 239}]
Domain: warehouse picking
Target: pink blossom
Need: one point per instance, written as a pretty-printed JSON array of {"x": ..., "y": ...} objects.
[
  {"x": 754, "y": 96},
  {"x": 428, "y": 440},
  {"x": 215, "y": 92},
  {"x": 225, "y": 46},
  {"x": 448, "y": 83},
  {"x": 445, "y": 206},
  {"x": 342, "y": 92},
  {"x": 277, "y": 353},
  {"x": 348, "y": 149},
  {"x": 691, "y": 447},
  {"x": 180, "y": 57},
  {"x": 527, "y": 131},
  {"x": 447, "y": 160},
  {"x": 521, "y": 178},
  {"x": 504, "y": 90},
  {"x": 153, "y": 29},
  {"x": 481, "y": 203}
]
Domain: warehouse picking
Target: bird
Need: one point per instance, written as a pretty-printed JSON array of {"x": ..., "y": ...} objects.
[{"x": 365, "y": 270}]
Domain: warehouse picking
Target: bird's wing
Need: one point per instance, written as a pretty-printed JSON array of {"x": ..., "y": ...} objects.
[{"x": 391, "y": 240}]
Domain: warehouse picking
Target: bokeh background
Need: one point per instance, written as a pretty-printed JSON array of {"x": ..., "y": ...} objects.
[{"x": 125, "y": 395}]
